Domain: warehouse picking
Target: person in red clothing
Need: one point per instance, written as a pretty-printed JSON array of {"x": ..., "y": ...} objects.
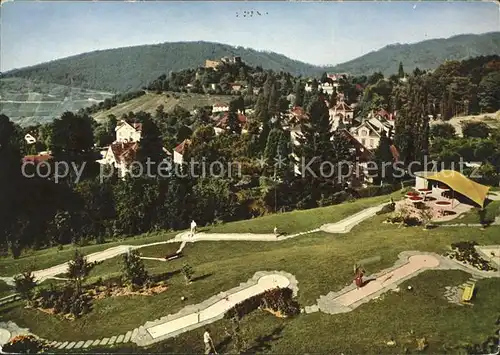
[{"x": 358, "y": 276}]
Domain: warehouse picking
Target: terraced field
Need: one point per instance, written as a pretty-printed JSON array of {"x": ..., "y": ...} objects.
[
  {"x": 169, "y": 100},
  {"x": 491, "y": 119},
  {"x": 27, "y": 102}
]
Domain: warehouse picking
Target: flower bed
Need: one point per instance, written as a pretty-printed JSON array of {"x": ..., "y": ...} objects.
[
  {"x": 443, "y": 203},
  {"x": 466, "y": 253},
  {"x": 24, "y": 344},
  {"x": 71, "y": 305}
]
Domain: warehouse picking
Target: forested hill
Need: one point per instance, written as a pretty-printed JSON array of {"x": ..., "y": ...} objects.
[
  {"x": 424, "y": 55},
  {"x": 129, "y": 68}
]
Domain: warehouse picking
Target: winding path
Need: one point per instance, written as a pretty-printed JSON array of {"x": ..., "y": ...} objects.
[
  {"x": 191, "y": 317},
  {"x": 343, "y": 226}
]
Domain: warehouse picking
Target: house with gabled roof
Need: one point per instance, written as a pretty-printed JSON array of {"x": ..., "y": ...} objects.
[
  {"x": 341, "y": 115},
  {"x": 128, "y": 132},
  {"x": 367, "y": 134},
  {"x": 120, "y": 155},
  {"x": 180, "y": 151},
  {"x": 222, "y": 122}
]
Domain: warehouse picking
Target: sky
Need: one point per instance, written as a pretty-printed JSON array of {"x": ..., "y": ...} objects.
[{"x": 321, "y": 33}]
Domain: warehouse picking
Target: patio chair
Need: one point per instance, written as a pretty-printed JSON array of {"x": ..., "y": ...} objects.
[{"x": 468, "y": 292}]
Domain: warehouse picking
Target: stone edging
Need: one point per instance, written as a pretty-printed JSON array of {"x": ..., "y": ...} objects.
[
  {"x": 328, "y": 305},
  {"x": 140, "y": 335},
  {"x": 9, "y": 299},
  {"x": 143, "y": 338},
  {"x": 355, "y": 219}
]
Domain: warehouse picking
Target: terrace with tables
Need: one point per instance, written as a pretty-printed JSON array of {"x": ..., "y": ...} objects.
[{"x": 445, "y": 195}]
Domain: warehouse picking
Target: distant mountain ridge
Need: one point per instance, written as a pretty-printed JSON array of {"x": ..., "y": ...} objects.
[
  {"x": 427, "y": 54},
  {"x": 129, "y": 68}
]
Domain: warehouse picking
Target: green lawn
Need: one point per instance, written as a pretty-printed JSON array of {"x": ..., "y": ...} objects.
[
  {"x": 44, "y": 258},
  {"x": 321, "y": 262},
  {"x": 302, "y": 220},
  {"x": 492, "y": 210},
  {"x": 290, "y": 222},
  {"x": 5, "y": 289},
  {"x": 403, "y": 316}
]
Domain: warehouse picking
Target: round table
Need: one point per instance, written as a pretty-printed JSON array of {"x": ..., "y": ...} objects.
[
  {"x": 412, "y": 194},
  {"x": 442, "y": 204},
  {"x": 415, "y": 199}
]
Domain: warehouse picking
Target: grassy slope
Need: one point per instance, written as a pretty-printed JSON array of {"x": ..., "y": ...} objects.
[
  {"x": 41, "y": 259},
  {"x": 363, "y": 331},
  {"x": 290, "y": 222},
  {"x": 5, "y": 289},
  {"x": 151, "y": 101},
  {"x": 321, "y": 263}
]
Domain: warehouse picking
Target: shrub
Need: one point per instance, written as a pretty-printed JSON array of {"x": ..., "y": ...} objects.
[
  {"x": 24, "y": 344},
  {"x": 466, "y": 253},
  {"x": 133, "y": 270},
  {"x": 24, "y": 284},
  {"x": 65, "y": 301},
  {"x": 278, "y": 300},
  {"x": 78, "y": 269},
  {"x": 425, "y": 216},
  {"x": 15, "y": 248},
  {"x": 188, "y": 273}
]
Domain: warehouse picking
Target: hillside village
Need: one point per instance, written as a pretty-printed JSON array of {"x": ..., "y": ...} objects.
[
  {"x": 172, "y": 251},
  {"x": 343, "y": 97}
]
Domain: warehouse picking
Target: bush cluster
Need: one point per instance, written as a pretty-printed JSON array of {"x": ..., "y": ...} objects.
[
  {"x": 24, "y": 344},
  {"x": 277, "y": 299},
  {"x": 65, "y": 301},
  {"x": 465, "y": 252}
]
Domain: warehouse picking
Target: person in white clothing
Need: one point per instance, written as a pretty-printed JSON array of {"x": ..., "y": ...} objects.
[
  {"x": 193, "y": 227},
  {"x": 207, "y": 339}
]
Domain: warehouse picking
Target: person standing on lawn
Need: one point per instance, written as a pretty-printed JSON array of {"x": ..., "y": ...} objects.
[
  {"x": 209, "y": 344},
  {"x": 193, "y": 227}
]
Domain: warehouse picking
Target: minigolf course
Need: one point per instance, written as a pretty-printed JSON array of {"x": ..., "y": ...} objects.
[
  {"x": 408, "y": 265},
  {"x": 193, "y": 317}
]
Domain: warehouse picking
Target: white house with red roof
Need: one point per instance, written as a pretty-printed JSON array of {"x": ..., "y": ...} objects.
[
  {"x": 128, "y": 132},
  {"x": 120, "y": 155},
  {"x": 342, "y": 113},
  {"x": 222, "y": 122},
  {"x": 180, "y": 151}
]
